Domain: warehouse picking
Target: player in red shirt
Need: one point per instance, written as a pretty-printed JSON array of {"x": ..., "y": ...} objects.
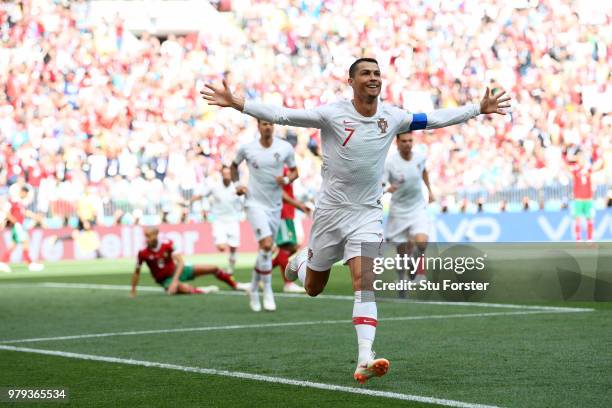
[
  {"x": 582, "y": 205},
  {"x": 286, "y": 238},
  {"x": 170, "y": 270},
  {"x": 15, "y": 215}
]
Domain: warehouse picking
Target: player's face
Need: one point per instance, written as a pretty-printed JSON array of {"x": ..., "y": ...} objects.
[
  {"x": 151, "y": 238},
  {"x": 405, "y": 142},
  {"x": 367, "y": 81},
  {"x": 266, "y": 129}
]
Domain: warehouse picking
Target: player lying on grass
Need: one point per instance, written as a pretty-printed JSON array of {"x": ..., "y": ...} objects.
[
  {"x": 356, "y": 135},
  {"x": 170, "y": 270}
]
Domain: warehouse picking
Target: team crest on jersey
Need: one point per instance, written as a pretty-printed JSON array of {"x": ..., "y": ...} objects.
[
  {"x": 382, "y": 125},
  {"x": 277, "y": 156}
]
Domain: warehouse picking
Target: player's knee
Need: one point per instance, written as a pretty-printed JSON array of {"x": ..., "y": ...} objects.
[
  {"x": 421, "y": 242},
  {"x": 313, "y": 288},
  {"x": 266, "y": 245}
]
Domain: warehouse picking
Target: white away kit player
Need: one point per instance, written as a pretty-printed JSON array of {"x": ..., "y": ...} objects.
[
  {"x": 408, "y": 223},
  {"x": 226, "y": 208},
  {"x": 356, "y": 136},
  {"x": 265, "y": 159}
]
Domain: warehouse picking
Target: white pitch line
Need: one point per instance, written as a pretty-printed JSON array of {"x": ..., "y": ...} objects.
[
  {"x": 254, "y": 377},
  {"x": 60, "y": 285},
  {"x": 269, "y": 325}
]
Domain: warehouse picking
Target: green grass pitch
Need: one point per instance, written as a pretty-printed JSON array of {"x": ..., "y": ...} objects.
[{"x": 203, "y": 355}]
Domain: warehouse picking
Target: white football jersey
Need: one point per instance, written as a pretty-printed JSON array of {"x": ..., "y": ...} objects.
[
  {"x": 407, "y": 176},
  {"x": 265, "y": 164},
  {"x": 354, "y": 146},
  {"x": 225, "y": 204}
]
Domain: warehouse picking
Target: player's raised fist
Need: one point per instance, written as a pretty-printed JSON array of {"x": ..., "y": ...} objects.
[{"x": 494, "y": 103}]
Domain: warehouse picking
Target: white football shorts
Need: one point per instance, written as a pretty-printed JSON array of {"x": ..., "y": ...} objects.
[
  {"x": 338, "y": 233},
  {"x": 400, "y": 228},
  {"x": 264, "y": 222}
]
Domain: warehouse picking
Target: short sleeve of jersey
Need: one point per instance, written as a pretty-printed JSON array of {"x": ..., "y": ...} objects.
[
  {"x": 290, "y": 159},
  {"x": 168, "y": 246},
  {"x": 239, "y": 156},
  {"x": 422, "y": 161}
]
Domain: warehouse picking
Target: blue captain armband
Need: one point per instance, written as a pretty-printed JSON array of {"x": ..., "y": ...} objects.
[{"x": 419, "y": 121}]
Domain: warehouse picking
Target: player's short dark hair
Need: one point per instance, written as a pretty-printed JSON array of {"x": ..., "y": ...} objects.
[{"x": 353, "y": 67}]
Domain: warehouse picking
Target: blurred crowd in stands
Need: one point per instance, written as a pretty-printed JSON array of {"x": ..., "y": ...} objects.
[{"x": 87, "y": 106}]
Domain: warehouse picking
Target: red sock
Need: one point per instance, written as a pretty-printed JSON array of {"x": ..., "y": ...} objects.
[
  {"x": 225, "y": 277},
  {"x": 282, "y": 259},
  {"x": 26, "y": 256},
  {"x": 590, "y": 230},
  {"x": 577, "y": 230},
  {"x": 6, "y": 257}
]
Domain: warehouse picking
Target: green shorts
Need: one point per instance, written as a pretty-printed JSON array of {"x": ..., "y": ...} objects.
[
  {"x": 186, "y": 275},
  {"x": 19, "y": 234},
  {"x": 286, "y": 233},
  {"x": 583, "y": 209}
]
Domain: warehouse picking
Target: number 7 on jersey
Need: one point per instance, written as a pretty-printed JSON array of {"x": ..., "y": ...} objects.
[{"x": 351, "y": 131}]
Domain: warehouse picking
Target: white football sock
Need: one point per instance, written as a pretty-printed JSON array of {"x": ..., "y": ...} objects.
[
  {"x": 264, "y": 260},
  {"x": 302, "y": 272},
  {"x": 255, "y": 282},
  {"x": 267, "y": 281},
  {"x": 365, "y": 319},
  {"x": 232, "y": 262}
]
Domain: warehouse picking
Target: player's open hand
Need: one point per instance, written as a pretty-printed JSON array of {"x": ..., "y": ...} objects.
[
  {"x": 432, "y": 198},
  {"x": 172, "y": 288},
  {"x": 218, "y": 95},
  {"x": 494, "y": 103}
]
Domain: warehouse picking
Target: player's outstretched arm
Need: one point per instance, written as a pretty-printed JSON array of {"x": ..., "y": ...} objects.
[
  {"x": 222, "y": 96},
  {"x": 295, "y": 203},
  {"x": 135, "y": 278},
  {"x": 440, "y": 118},
  {"x": 180, "y": 265},
  {"x": 432, "y": 198}
]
